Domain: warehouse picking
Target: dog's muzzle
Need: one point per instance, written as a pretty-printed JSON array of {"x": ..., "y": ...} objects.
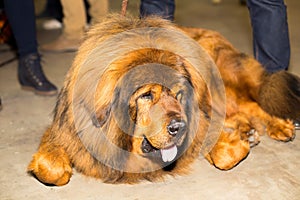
[{"x": 176, "y": 129}]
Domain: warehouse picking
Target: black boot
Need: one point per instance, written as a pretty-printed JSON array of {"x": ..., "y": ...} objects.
[{"x": 31, "y": 76}]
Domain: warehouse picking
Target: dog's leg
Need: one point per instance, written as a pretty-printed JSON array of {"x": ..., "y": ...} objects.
[
  {"x": 51, "y": 165},
  {"x": 241, "y": 133},
  {"x": 276, "y": 128},
  {"x": 234, "y": 143}
]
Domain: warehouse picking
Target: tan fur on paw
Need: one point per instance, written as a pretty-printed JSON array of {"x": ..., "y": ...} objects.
[
  {"x": 51, "y": 168},
  {"x": 282, "y": 130}
]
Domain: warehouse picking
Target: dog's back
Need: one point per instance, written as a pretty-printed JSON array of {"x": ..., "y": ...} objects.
[{"x": 277, "y": 93}]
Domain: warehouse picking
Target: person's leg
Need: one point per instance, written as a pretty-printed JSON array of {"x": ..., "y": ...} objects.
[
  {"x": 74, "y": 18},
  {"x": 98, "y": 9},
  {"x": 270, "y": 33},
  {"x": 163, "y": 8},
  {"x": 21, "y": 16},
  {"x": 74, "y": 23}
]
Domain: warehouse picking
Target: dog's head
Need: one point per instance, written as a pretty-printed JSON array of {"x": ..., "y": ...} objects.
[
  {"x": 161, "y": 123},
  {"x": 153, "y": 105}
]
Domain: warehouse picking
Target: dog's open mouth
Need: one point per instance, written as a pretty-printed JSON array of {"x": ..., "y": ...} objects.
[{"x": 167, "y": 154}]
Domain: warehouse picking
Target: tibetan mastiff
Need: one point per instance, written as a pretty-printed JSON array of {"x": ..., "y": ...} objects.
[{"x": 144, "y": 98}]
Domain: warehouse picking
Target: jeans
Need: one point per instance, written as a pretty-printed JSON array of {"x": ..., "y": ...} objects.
[
  {"x": 271, "y": 42},
  {"x": 21, "y": 17},
  {"x": 163, "y": 8}
]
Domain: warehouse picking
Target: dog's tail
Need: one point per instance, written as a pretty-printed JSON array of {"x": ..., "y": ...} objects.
[{"x": 279, "y": 95}]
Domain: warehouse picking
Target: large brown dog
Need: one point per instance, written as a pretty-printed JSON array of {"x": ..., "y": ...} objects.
[{"x": 143, "y": 100}]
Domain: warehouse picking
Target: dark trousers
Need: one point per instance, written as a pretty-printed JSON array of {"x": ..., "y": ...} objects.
[
  {"x": 163, "y": 8},
  {"x": 21, "y": 16},
  {"x": 271, "y": 42}
]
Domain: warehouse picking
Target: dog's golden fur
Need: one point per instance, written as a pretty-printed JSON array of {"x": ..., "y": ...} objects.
[{"x": 90, "y": 108}]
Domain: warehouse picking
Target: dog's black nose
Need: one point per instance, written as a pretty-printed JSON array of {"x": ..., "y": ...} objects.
[{"x": 176, "y": 126}]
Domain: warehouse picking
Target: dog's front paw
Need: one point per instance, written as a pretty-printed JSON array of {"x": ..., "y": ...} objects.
[
  {"x": 282, "y": 130},
  {"x": 229, "y": 150},
  {"x": 51, "y": 168}
]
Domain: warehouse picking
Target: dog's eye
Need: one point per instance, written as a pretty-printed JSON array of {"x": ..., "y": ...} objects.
[{"x": 147, "y": 96}]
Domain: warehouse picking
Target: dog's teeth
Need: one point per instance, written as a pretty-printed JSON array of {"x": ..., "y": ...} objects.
[{"x": 168, "y": 154}]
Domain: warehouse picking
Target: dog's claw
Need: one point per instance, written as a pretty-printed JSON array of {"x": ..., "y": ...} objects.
[
  {"x": 297, "y": 125},
  {"x": 253, "y": 137}
]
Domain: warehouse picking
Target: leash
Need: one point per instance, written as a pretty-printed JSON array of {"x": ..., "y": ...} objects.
[
  {"x": 124, "y": 7},
  {"x": 3, "y": 63},
  {"x": 8, "y": 61}
]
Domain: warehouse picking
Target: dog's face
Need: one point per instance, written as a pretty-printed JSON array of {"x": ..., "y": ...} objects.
[
  {"x": 151, "y": 119},
  {"x": 160, "y": 122}
]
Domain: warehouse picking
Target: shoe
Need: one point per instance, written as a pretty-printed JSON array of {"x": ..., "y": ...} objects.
[
  {"x": 0, "y": 104},
  {"x": 62, "y": 44},
  {"x": 52, "y": 24},
  {"x": 31, "y": 76}
]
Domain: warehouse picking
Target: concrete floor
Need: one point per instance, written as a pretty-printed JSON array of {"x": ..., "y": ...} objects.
[{"x": 271, "y": 171}]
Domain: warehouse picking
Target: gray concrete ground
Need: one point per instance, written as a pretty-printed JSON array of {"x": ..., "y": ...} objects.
[{"x": 271, "y": 171}]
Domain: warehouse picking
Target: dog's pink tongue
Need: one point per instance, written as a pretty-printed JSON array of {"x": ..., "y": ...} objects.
[{"x": 169, "y": 154}]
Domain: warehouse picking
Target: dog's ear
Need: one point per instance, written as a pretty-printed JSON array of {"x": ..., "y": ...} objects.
[
  {"x": 105, "y": 96},
  {"x": 101, "y": 116},
  {"x": 102, "y": 106},
  {"x": 133, "y": 107}
]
